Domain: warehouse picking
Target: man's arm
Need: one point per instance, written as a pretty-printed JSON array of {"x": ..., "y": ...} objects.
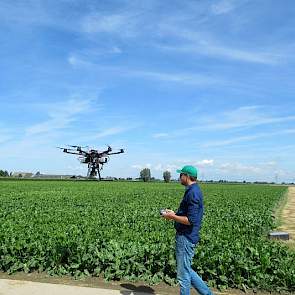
[
  {"x": 172, "y": 216},
  {"x": 193, "y": 208},
  {"x": 182, "y": 219}
]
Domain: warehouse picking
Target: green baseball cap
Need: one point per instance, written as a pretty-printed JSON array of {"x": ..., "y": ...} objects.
[{"x": 189, "y": 170}]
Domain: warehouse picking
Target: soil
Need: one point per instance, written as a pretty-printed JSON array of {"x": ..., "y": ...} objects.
[
  {"x": 286, "y": 217},
  {"x": 124, "y": 286}
]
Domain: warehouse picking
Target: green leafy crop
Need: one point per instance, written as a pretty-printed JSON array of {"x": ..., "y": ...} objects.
[{"x": 114, "y": 230}]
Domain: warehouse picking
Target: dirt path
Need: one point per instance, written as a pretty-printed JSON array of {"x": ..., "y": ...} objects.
[
  {"x": 40, "y": 283},
  {"x": 287, "y": 216},
  {"x": 14, "y": 287},
  {"x": 25, "y": 287}
]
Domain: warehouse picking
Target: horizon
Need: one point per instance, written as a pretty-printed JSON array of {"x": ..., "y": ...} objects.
[{"x": 12, "y": 175}]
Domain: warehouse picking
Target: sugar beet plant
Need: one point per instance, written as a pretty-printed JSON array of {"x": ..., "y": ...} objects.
[{"x": 114, "y": 230}]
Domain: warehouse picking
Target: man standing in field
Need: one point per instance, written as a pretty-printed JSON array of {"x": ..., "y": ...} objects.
[{"x": 187, "y": 222}]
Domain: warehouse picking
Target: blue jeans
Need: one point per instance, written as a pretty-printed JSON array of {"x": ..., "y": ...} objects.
[{"x": 186, "y": 276}]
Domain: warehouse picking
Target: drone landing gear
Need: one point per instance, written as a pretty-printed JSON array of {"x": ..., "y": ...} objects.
[{"x": 93, "y": 170}]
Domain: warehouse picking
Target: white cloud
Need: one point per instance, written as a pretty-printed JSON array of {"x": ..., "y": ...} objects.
[
  {"x": 77, "y": 61},
  {"x": 200, "y": 163},
  {"x": 247, "y": 138},
  {"x": 200, "y": 42},
  {"x": 136, "y": 166},
  {"x": 122, "y": 24},
  {"x": 84, "y": 57},
  {"x": 85, "y": 21},
  {"x": 223, "y": 7},
  {"x": 261, "y": 56},
  {"x": 176, "y": 77},
  {"x": 111, "y": 131},
  {"x": 132, "y": 20},
  {"x": 271, "y": 163},
  {"x": 184, "y": 78},
  {"x": 160, "y": 135},
  {"x": 232, "y": 168},
  {"x": 247, "y": 116},
  {"x": 204, "y": 163},
  {"x": 165, "y": 167},
  {"x": 116, "y": 50},
  {"x": 233, "y": 140},
  {"x": 210, "y": 48},
  {"x": 173, "y": 165},
  {"x": 264, "y": 171},
  {"x": 155, "y": 167},
  {"x": 60, "y": 115}
]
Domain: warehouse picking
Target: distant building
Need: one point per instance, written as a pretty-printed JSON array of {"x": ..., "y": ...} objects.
[
  {"x": 110, "y": 178},
  {"x": 22, "y": 174},
  {"x": 52, "y": 176}
]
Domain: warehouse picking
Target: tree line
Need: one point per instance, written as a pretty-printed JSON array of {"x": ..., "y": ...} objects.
[
  {"x": 4, "y": 173},
  {"x": 145, "y": 175}
]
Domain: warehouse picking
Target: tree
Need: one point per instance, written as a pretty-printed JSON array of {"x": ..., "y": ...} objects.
[
  {"x": 145, "y": 174},
  {"x": 4, "y": 173},
  {"x": 167, "y": 176}
]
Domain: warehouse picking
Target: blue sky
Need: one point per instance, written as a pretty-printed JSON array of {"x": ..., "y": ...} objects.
[{"x": 208, "y": 83}]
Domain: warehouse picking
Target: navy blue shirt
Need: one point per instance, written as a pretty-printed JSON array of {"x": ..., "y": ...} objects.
[{"x": 192, "y": 207}]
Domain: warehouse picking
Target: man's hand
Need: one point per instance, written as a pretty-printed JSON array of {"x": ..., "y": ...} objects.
[{"x": 169, "y": 214}]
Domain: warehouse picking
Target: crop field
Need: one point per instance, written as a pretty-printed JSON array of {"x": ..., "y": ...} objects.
[{"x": 114, "y": 230}]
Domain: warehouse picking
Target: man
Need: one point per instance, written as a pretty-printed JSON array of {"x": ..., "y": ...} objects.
[{"x": 187, "y": 222}]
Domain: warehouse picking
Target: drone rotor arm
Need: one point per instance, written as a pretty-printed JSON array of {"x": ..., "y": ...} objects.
[
  {"x": 115, "y": 153},
  {"x": 71, "y": 152}
]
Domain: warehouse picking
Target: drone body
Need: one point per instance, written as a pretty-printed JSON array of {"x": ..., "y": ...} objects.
[{"x": 93, "y": 158}]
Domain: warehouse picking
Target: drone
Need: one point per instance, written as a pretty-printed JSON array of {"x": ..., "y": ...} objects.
[{"x": 93, "y": 158}]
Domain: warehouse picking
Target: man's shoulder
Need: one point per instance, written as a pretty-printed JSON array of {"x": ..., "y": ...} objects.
[
  {"x": 195, "y": 187},
  {"x": 195, "y": 191}
]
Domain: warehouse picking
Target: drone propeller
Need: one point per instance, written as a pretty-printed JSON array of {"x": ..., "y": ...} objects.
[
  {"x": 78, "y": 147},
  {"x": 62, "y": 148},
  {"x": 65, "y": 150},
  {"x": 117, "y": 150}
]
